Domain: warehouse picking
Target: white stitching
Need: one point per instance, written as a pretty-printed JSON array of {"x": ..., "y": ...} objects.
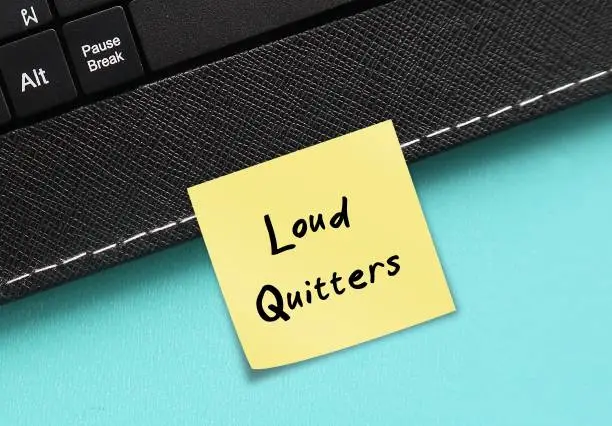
[
  {"x": 187, "y": 219},
  {"x": 134, "y": 238},
  {"x": 500, "y": 111},
  {"x": 163, "y": 228},
  {"x": 46, "y": 268},
  {"x": 532, "y": 100},
  {"x": 410, "y": 143},
  {"x": 72, "y": 259},
  {"x": 103, "y": 249},
  {"x": 467, "y": 123},
  {"x": 14, "y": 280},
  {"x": 413, "y": 142},
  {"x": 559, "y": 89},
  {"x": 593, "y": 77},
  {"x": 438, "y": 132}
]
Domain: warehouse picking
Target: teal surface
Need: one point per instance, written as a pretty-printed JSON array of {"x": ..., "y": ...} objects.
[{"x": 522, "y": 223}]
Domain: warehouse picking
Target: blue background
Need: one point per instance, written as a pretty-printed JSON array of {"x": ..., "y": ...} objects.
[{"x": 521, "y": 220}]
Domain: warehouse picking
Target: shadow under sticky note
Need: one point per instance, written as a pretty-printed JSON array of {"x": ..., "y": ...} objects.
[{"x": 521, "y": 221}]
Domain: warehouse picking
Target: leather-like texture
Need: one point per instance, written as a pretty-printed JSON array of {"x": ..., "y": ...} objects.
[
  {"x": 92, "y": 178},
  {"x": 170, "y": 31}
]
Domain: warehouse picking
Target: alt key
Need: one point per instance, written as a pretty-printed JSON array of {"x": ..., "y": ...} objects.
[
  {"x": 103, "y": 50},
  {"x": 36, "y": 73}
]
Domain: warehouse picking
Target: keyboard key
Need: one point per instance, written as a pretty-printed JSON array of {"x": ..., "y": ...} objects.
[
  {"x": 70, "y": 7},
  {"x": 5, "y": 115},
  {"x": 172, "y": 31},
  {"x": 19, "y": 16},
  {"x": 103, "y": 50},
  {"x": 36, "y": 73}
]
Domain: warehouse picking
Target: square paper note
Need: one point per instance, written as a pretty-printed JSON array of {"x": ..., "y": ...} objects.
[{"x": 322, "y": 249}]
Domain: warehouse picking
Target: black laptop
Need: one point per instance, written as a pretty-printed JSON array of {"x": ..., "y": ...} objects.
[{"x": 110, "y": 110}]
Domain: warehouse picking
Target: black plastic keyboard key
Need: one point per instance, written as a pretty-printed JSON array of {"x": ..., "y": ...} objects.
[
  {"x": 103, "y": 50},
  {"x": 36, "y": 73},
  {"x": 19, "y": 16},
  {"x": 172, "y": 31},
  {"x": 70, "y": 7},
  {"x": 5, "y": 114}
]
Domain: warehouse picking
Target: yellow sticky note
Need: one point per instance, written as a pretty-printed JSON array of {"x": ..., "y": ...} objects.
[{"x": 322, "y": 249}]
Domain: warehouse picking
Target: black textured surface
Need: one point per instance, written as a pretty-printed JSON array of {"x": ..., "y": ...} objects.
[
  {"x": 5, "y": 114},
  {"x": 69, "y": 7},
  {"x": 106, "y": 172},
  {"x": 172, "y": 31}
]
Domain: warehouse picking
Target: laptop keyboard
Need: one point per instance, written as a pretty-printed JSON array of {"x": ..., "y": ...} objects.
[{"x": 57, "y": 53}]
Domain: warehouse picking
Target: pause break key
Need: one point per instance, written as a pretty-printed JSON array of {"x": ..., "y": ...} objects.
[{"x": 103, "y": 50}]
